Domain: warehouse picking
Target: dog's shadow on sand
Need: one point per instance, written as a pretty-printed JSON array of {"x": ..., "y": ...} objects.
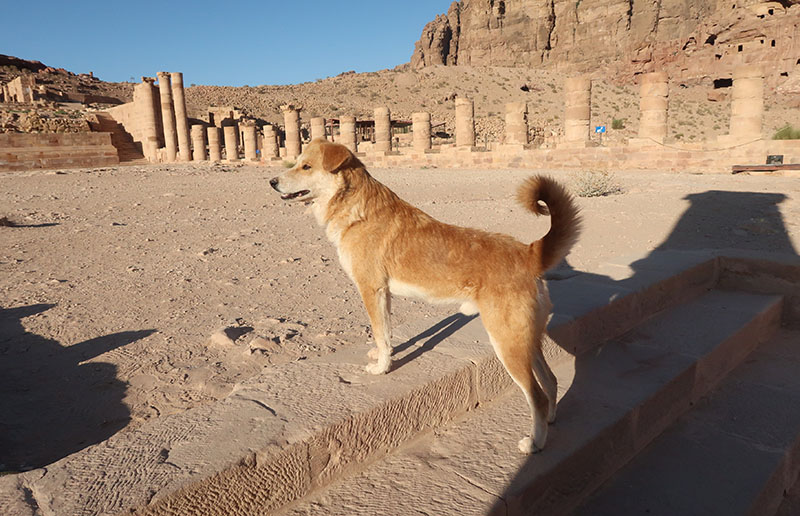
[
  {"x": 55, "y": 402},
  {"x": 434, "y": 335}
]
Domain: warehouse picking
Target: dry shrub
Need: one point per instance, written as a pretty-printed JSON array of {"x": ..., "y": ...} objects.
[{"x": 594, "y": 183}]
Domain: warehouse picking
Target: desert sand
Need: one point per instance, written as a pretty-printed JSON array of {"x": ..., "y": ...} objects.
[{"x": 133, "y": 292}]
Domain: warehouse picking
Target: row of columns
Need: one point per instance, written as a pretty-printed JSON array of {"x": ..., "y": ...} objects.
[{"x": 746, "y": 106}]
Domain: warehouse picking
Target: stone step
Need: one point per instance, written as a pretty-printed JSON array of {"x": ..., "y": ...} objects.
[
  {"x": 127, "y": 149},
  {"x": 734, "y": 453},
  {"x": 296, "y": 428},
  {"x": 613, "y": 402}
]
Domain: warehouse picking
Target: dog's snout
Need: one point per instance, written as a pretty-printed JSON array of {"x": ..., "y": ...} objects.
[{"x": 274, "y": 183}]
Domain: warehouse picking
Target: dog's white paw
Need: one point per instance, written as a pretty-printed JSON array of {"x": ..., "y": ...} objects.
[
  {"x": 527, "y": 446},
  {"x": 378, "y": 367}
]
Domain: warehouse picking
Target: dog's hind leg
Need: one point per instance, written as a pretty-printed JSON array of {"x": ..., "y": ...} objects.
[
  {"x": 377, "y": 301},
  {"x": 548, "y": 381},
  {"x": 516, "y": 354}
]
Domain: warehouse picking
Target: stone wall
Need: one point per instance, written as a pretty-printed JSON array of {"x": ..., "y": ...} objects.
[
  {"x": 20, "y": 89},
  {"x": 19, "y": 151},
  {"x": 707, "y": 158}
]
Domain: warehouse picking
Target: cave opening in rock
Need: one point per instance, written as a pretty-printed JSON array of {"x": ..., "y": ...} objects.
[{"x": 722, "y": 83}]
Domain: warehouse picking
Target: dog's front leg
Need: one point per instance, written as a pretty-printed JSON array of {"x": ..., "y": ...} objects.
[{"x": 377, "y": 302}]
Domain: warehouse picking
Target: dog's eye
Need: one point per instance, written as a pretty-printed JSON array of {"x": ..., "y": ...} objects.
[{"x": 306, "y": 167}]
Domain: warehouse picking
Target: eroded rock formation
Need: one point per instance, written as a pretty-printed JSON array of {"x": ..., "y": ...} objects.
[{"x": 693, "y": 37}]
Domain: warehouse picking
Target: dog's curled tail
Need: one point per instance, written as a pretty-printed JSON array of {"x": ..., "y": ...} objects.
[{"x": 565, "y": 222}]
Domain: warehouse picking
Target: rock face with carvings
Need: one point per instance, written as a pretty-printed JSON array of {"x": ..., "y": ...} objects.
[{"x": 689, "y": 37}]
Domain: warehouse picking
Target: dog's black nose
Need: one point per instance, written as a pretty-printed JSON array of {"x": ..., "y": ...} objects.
[{"x": 274, "y": 183}]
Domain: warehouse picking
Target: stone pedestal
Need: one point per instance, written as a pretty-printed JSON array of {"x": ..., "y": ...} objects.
[
  {"x": 168, "y": 116},
  {"x": 383, "y": 129},
  {"x": 250, "y": 143},
  {"x": 578, "y": 93},
  {"x": 516, "y": 123},
  {"x": 653, "y": 106},
  {"x": 421, "y": 128},
  {"x": 231, "y": 145},
  {"x": 747, "y": 102},
  {"x": 144, "y": 100},
  {"x": 291, "y": 121},
  {"x": 198, "y": 133},
  {"x": 347, "y": 133},
  {"x": 214, "y": 150},
  {"x": 271, "y": 148},
  {"x": 181, "y": 121},
  {"x": 465, "y": 122},
  {"x": 317, "y": 127}
]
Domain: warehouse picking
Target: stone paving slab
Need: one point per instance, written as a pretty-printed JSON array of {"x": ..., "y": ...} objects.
[
  {"x": 735, "y": 452},
  {"x": 612, "y": 402},
  {"x": 294, "y": 428}
]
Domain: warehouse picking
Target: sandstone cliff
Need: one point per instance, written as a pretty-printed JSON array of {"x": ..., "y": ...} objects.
[{"x": 693, "y": 37}]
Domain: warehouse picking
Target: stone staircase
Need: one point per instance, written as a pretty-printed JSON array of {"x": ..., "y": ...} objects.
[
  {"x": 127, "y": 149},
  {"x": 614, "y": 401},
  {"x": 677, "y": 396}
]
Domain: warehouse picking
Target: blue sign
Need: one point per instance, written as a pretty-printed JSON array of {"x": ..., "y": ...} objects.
[{"x": 600, "y": 129}]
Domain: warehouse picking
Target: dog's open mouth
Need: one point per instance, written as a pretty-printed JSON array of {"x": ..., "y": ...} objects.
[{"x": 294, "y": 195}]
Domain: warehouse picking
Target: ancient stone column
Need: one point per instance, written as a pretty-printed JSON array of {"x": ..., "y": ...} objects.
[
  {"x": 347, "y": 132},
  {"x": 231, "y": 145},
  {"x": 250, "y": 144},
  {"x": 465, "y": 122},
  {"x": 271, "y": 148},
  {"x": 578, "y": 92},
  {"x": 421, "y": 131},
  {"x": 747, "y": 102},
  {"x": 317, "y": 127},
  {"x": 144, "y": 96},
  {"x": 291, "y": 121},
  {"x": 516, "y": 123},
  {"x": 198, "y": 133},
  {"x": 653, "y": 104},
  {"x": 168, "y": 116},
  {"x": 214, "y": 150},
  {"x": 383, "y": 129},
  {"x": 181, "y": 121}
]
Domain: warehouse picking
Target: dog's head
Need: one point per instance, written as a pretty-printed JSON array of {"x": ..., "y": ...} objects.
[{"x": 317, "y": 174}]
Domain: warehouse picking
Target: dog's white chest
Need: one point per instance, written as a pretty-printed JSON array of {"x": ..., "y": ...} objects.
[{"x": 335, "y": 236}]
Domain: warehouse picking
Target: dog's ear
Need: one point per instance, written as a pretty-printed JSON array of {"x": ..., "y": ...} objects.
[{"x": 334, "y": 157}]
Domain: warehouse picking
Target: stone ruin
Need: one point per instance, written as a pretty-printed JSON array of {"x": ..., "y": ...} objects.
[{"x": 157, "y": 123}]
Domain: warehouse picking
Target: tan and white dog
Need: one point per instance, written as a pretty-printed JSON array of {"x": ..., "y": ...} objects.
[{"x": 389, "y": 247}]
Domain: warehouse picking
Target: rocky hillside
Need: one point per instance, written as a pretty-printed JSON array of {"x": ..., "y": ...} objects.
[
  {"x": 62, "y": 82},
  {"x": 689, "y": 38},
  {"x": 51, "y": 114}
]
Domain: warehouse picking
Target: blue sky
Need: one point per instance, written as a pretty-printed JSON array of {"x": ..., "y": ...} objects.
[{"x": 220, "y": 42}]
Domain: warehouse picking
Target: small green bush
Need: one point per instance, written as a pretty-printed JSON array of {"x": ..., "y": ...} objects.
[
  {"x": 787, "y": 132},
  {"x": 618, "y": 123}
]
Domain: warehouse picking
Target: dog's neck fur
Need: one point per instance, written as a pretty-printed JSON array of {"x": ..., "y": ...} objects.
[{"x": 359, "y": 197}]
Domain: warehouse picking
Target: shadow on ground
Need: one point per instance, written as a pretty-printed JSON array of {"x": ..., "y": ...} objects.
[{"x": 52, "y": 404}]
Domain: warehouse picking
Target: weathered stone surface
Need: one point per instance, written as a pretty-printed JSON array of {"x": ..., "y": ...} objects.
[{"x": 685, "y": 36}]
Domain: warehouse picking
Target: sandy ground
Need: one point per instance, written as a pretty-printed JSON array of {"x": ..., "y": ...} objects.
[{"x": 116, "y": 282}]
